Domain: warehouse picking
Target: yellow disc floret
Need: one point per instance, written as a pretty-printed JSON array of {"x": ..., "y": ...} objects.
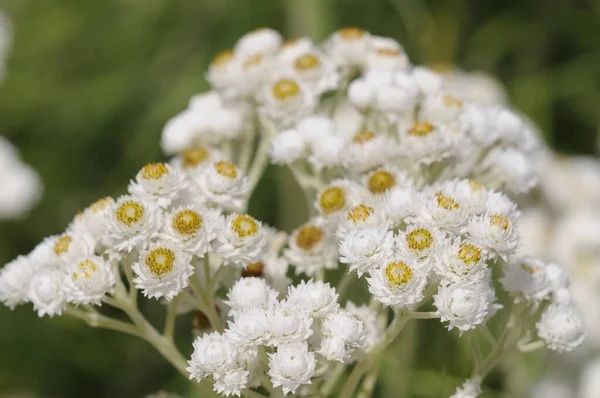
[
  {"x": 187, "y": 222},
  {"x": 398, "y": 273},
  {"x": 419, "y": 239},
  {"x": 363, "y": 137},
  {"x": 351, "y": 33},
  {"x": 160, "y": 261},
  {"x": 101, "y": 204},
  {"x": 332, "y": 199},
  {"x": 85, "y": 269},
  {"x": 359, "y": 213},
  {"x": 446, "y": 202},
  {"x": 130, "y": 212},
  {"x": 469, "y": 254},
  {"x": 285, "y": 88},
  {"x": 381, "y": 181},
  {"x": 421, "y": 129},
  {"x": 499, "y": 220},
  {"x": 306, "y": 62},
  {"x": 475, "y": 186},
  {"x": 193, "y": 157},
  {"x": 388, "y": 52},
  {"x": 309, "y": 236},
  {"x": 226, "y": 169},
  {"x": 253, "y": 60},
  {"x": 154, "y": 171},
  {"x": 62, "y": 245},
  {"x": 244, "y": 226},
  {"x": 451, "y": 101},
  {"x": 531, "y": 268},
  {"x": 223, "y": 58}
]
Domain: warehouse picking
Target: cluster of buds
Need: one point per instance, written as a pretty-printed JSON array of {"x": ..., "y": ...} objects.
[{"x": 404, "y": 178}]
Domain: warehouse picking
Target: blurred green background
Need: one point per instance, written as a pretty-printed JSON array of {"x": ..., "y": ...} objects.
[{"x": 91, "y": 83}]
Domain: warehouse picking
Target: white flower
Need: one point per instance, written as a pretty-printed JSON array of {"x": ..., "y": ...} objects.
[
  {"x": 366, "y": 150},
  {"x": 348, "y": 47},
  {"x": 21, "y": 189},
  {"x": 92, "y": 220},
  {"x": 399, "y": 203},
  {"x": 425, "y": 143},
  {"x": 312, "y": 248},
  {"x": 365, "y": 248},
  {"x": 191, "y": 228},
  {"x": 46, "y": 293},
  {"x": 157, "y": 182},
  {"x": 88, "y": 280},
  {"x": 386, "y": 179},
  {"x": 288, "y": 323},
  {"x": 291, "y": 366},
  {"x": 286, "y": 100},
  {"x": 68, "y": 247},
  {"x": 15, "y": 278},
  {"x": 463, "y": 304},
  {"x": 318, "y": 298},
  {"x": 287, "y": 147},
  {"x": 337, "y": 196},
  {"x": 224, "y": 73},
  {"x": 232, "y": 382},
  {"x": 497, "y": 202},
  {"x": 240, "y": 240},
  {"x": 272, "y": 266},
  {"x": 344, "y": 326},
  {"x": 313, "y": 128},
  {"x": 314, "y": 69},
  {"x": 250, "y": 292},
  {"x": 397, "y": 283},
  {"x": 589, "y": 384},
  {"x": 262, "y": 40},
  {"x": 213, "y": 354},
  {"x": 511, "y": 168},
  {"x": 561, "y": 328},
  {"x": 429, "y": 82},
  {"x": 442, "y": 211},
  {"x": 249, "y": 327},
  {"x": 328, "y": 153},
  {"x": 368, "y": 317},
  {"x": 223, "y": 184},
  {"x": 471, "y": 195},
  {"x": 360, "y": 216},
  {"x": 192, "y": 159},
  {"x": 495, "y": 233},
  {"x": 470, "y": 389},
  {"x": 441, "y": 108},
  {"x": 527, "y": 277},
  {"x": 420, "y": 243},
  {"x": 162, "y": 270},
  {"x": 335, "y": 349},
  {"x": 459, "y": 260},
  {"x": 130, "y": 223},
  {"x": 386, "y": 54},
  {"x": 558, "y": 277}
]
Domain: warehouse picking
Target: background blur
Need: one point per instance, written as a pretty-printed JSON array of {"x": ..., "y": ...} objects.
[{"x": 91, "y": 83}]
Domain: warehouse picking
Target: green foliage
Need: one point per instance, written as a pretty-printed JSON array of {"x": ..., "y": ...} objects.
[{"x": 91, "y": 83}]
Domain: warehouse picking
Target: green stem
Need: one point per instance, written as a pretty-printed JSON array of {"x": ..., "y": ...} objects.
[
  {"x": 422, "y": 315},
  {"x": 171, "y": 316},
  {"x": 333, "y": 379},
  {"x": 205, "y": 304},
  {"x": 260, "y": 162},
  {"x": 368, "y": 384},
  {"x": 96, "y": 320}
]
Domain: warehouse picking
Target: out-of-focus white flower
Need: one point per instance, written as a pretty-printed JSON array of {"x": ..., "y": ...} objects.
[
  {"x": 318, "y": 298},
  {"x": 250, "y": 292},
  {"x": 366, "y": 150},
  {"x": 162, "y": 270},
  {"x": 527, "y": 277},
  {"x": 157, "y": 182},
  {"x": 287, "y": 147},
  {"x": 240, "y": 240},
  {"x": 589, "y": 383},
  {"x": 429, "y": 82},
  {"x": 348, "y": 47},
  {"x": 561, "y": 328},
  {"x": 386, "y": 54},
  {"x": 15, "y": 278},
  {"x": 510, "y": 168},
  {"x": 88, "y": 280},
  {"x": 399, "y": 204},
  {"x": 312, "y": 247},
  {"x": 555, "y": 388},
  {"x": 46, "y": 293},
  {"x": 397, "y": 283},
  {"x": 441, "y": 108},
  {"x": 384, "y": 179},
  {"x": 425, "y": 143},
  {"x": 314, "y": 69},
  {"x": 365, "y": 248},
  {"x": 223, "y": 184},
  {"x": 262, "y": 40},
  {"x": 288, "y": 323},
  {"x": 286, "y": 100},
  {"x": 92, "y": 220},
  {"x": 470, "y": 389},
  {"x": 463, "y": 304},
  {"x": 338, "y": 196},
  {"x": 368, "y": 316},
  {"x": 291, "y": 366},
  {"x": 474, "y": 86}
]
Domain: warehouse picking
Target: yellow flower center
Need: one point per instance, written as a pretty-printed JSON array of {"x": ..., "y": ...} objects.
[
  {"x": 332, "y": 200},
  {"x": 193, "y": 157},
  {"x": 130, "y": 212},
  {"x": 307, "y": 61},
  {"x": 398, "y": 273},
  {"x": 469, "y": 254},
  {"x": 285, "y": 88},
  {"x": 101, "y": 204},
  {"x": 160, "y": 261},
  {"x": 381, "y": 181},
  {"x": 359, "y": 213},
  {"x": 475, "y": 186},
  {"x": 223, "y": 58},
  {"x": 421, "y": 129},
  {"x": 363, "y": 137},
  {"x": 62, "y": 245},
  {"x": 351, "y": 33},
  {"x": 388, "y": 52},
  {"x": 253, "y": 60},
  {"x": 187, "y": 222},
  {"x": 451, "y": 101},
  {"x": 308, "y": 237},
  {"x": 85, "y": 269},
  {"x": 244, "y": 225},
  {"x": 289, "y": 42},
  {"x": 154, "y": 171},
  {"x": 499, "y": 220},
  {"x": 419, "y": 239},
  {"x": 446, "y": 202},
  {"x": 226, "y": 169},
  {"x": 531, "y": 269},
  {"x": 254, "y": 269}
]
